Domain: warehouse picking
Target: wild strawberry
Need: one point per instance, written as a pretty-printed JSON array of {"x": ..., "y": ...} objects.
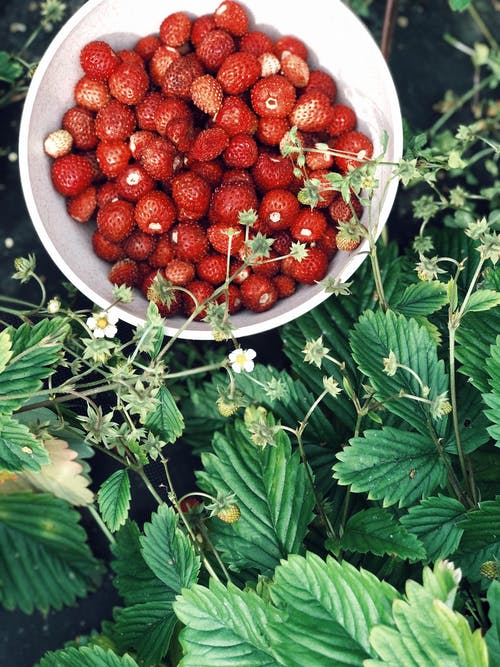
[
  {"x": 266, "y": 266},
  {"x": 107, "y": 192},
  {"x": 97, "y": 175},
  {"x": 209, "y": 144},
  {"x": 226, "y": 239},
  {"x": 258, "y": 293},
  {"x": 238, "y": 273},
  {"x": 210, "y": 170},
  {"x": 113, "y": 157},
  {"x": 347, "y": 244},
  {"x": 290, "y": 44},
  {"x": 232, "y": 297},
  {"x": 238, "y": 72},
  {"x": 181, "y": 74},
  {"x": 328, "y": 241},
  {"x": 157, "y": 157},
  {"x": 325, "y": 192},
  {"x": 179, "y": 272},
  {"x": 201, "y": 25},
  {"x": 91, "y": 94},
  {"x": 160, "y": 61},
  {"x": 146, "y": 46},
  {"x": 199, "y": 294},
  {"x": 228, "y": 201},
  {"x": 155, "y": 212},
  {"x": 343, "y": 119},
  {"x": 312, "y": 112},
  {"x": 207, "y": 94},
  {"x": 237, "y": 176},
  {"x": 273, "y": 96},
  {"x": 182, "y": 133},
  {"x": 318, "y": 159},
  {"x": 169, "y": 109},
  {"x": 278, "y": 209},
  {"x": 58, "y": 143},
  {"x": 80, "y": 124},
  {"x": 342, "y": 211},
  {"x": 282, "y": 242},
  {"x": 191, "y": 193},
  {"x": 229, "y": 514},
  {"x": 235, "y": 116},
  {"x": 163, "y": 252},
  {"x": 271, "y": 130},
  {"x": 175, "y": 29},
  {"x": 256, "y": 43},
  {"x": 116, "y": 220},
  {"x": 131, "y": 57},
  {"x": 106, "y": 249},
  {"x": 212, "y": 268},
  {"x": 189, "y": 240},
  {"x": 167, "y": 308},
  {"x": 213, "y": 49},
  {"x": 98, "y": 60},
  {"x": 285, "y": 286},
  {"x": 272, "y": 171},
  {"x": 309, "y": 225},
  {"x": 71, "y": 174},
  {"x": 124, "y": 272},
  {"x": 81, "y": 207},
  {"x": 242, "y": 151},
  {"x": 295, "y": 69},
  {"x": 312, "y": 268},
  {"x": 138, "y": 141},
  {"x": 322, "y": 81},
  {"x": 231, "y": 16},
  {"x": 354, "y": 147},
  {"x": 269, "y": 64},
  {"x": 138, "y": 245},
  {"x": 133, "y": 182},
  {"x": 146, "y": 109},
  {"x": 128, "y": 83},
  {"x": 114, "y": 121}
]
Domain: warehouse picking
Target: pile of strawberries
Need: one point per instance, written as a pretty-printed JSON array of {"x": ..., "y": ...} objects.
[{"x": 168, "y": 142}]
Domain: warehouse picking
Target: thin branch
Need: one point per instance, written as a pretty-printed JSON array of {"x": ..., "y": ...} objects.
[{"x": 391, "y": 10}]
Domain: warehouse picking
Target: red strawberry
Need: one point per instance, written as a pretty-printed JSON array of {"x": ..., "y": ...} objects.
[
  {"x": 146, "y": 109},
  {"x": 163, "y": 252},
  {"x": 237, "y": 273},
  {"x": 201, "y": 292},
  {"x": 181, "y": 132},
  {"x": 256, "y": 43},
  {"x": 155, "y": 212},
  {"x": 201, "y": 26},
  {"x": 231, "y": 16},
  {"x": 207, "y": 94},
  {"x": 352, "y": 145},
  {"x": 309, "y": 225},
  {"x": 341, "y": 211},
  {"x": 98, "y": 60},
  {"x": 322, "y": 81},
  {"x": 269, "y": 64},
  {"x": 128, "y": 83},
  {"x": 166, "y": 309},
  {"x": 211, "y": 171},
  {"x": 237, "y": 176},
  {"x": 181, "y": 74},
  {"x": 226, "y": 239},
  {"x": 71, "y": 174},
  {"x": 278, "y": 209},
  {"x": 179, "y": 271},
  {"x": 175, "y": 29},
  {"x": 272, "y": 171},
  {"x": 343, "y": 119},
  {"x": 91, "y": 94},
  {"x": 168, "y": 110},
  {"x": 273, "y": 96},
  {"x": 262, "y": 265},
  {"x": 214, "y": 47},
  {"x": 113, "y": 157},
  {"x": 115, "y": 220},
  {"x": 312, "y": 268},
  {"x": 107, "y": 192},
  {"x": 189, "y": 240},
  {"x": 318, "y": 159},
  {"x": 191, "y": 193},
  {"x": 81, "y": 207},
  {"x": 271, "y": 130},
  {"x": 133, "y": 182},
  {"x": 258, "y": 293},
  {"x": 235, "y": 116},
  {"x": 290, "y": 44},
  {"x": 130, "y": 57},
  {"x": 326, "y": 194},
  {"x": 232, "y": 297},
  {"x": 114, "y": 121},
  {"x": 347, "y": 240},
  {"x": 146, "y": 46},
  {"x": 138, "y": 245},
  {"x": 157, "y": 157},
  {"x": 106, "y": 249},
  {"x": 80, "y": 124},
  {"x": 229, "y": 200},
  {"x": 209, "y": 144},
  {"x": 212, "y": 268},
  {"x": 282, "y": 242},
  {"x": 295, "y": 69},
  {"x": 138, "y": 141},
  {"x": 285, "y": 286},
  {"x": 328, "y": 241},
  {"x": 242, "y": 151},
  {"x": 238, "y": 72},
  {"x": 160, "y": 61},
  {"x": 124, "y": 272},
  {"x": 312, "y": 112}
]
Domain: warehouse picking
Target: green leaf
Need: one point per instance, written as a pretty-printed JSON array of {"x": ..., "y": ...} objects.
[
  {"x": 476, "y": 334},
  {"x": 391, "y": 465},
  {"x": 472, "y": 421},
  {"x": 45, "y": 561},
  {"x": 19, "y": 450},
  {"x": 5, "y": 349},
  {"x": 422, "y": 298},
  {"x": 481, "y": 526},
  {"x": 376, "y": 530},
  {"x": 114, "y": 499},
  {"x": 492, "y": 637},
  {"x": 483, "y": 299},
  {"x": 272, "y": 491},
  {"x": 435, "y": 522},
  {"x": 86, "y": 656},
  {"x": 166, "y": 421},
  {"x": 10, "y": 70},
  {"x": 378, "y": 334},
  {"x": 168, "y": 552},
  {"x": 492, "y": 399},
  {"x": 329, "y": 608},
  {"x": 459, "y": 5},
  {"x": 224, "y": 626}
]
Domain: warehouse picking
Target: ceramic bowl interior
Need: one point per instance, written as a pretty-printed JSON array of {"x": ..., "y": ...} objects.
[{"x": 338, "y": 43}]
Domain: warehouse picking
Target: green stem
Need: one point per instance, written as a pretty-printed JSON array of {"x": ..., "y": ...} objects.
[
  {"x": 195, "y": 371},
  {"x": 149, "y": 486},
  {"x": 377, "y": 276},
  {"x": 478, "y": 20},
  {"x": 97, "y": 518}
]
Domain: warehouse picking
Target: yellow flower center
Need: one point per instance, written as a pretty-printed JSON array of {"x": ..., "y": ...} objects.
[{"x": 101, "y": 322}]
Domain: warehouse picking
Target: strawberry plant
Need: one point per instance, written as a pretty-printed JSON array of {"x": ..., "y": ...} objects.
[{"x": 344, "y": 507}]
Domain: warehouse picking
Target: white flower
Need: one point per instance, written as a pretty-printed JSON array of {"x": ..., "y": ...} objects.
[
  {"x": 54, "y": 305},
  {"x": 242, "y": 360},
  {"x": 102, "y": 324}
]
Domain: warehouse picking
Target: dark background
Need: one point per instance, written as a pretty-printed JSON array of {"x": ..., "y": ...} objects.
[{"x": 424, "y": 66}]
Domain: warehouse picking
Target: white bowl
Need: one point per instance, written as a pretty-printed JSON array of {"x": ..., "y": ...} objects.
[{"x": 338, "y": 42}]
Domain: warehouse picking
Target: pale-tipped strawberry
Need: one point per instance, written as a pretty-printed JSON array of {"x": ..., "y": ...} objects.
[
  {"x": 353, "y": 147},
  {"x": 58, "y": 143},
  {"x": 273, "y": 96},
  {"x": 115, "y": 220},
  {"x": 124, "y": 272},
  {"x": 155, "y": 212},
  {"x": 231, "y": 16},
  {"x": 349, "y": 235},
  {"x": 258, "y": 293},
  {"x": 98, "y": 60},
  {"x": 322, "y": 81},
  {"x": 71, "y": 174},
  {"x": 235, "y": 116},
  {"x": 241, "y": 152},
  {"x": 207, "y": 94},
  {"x": 81, "y": 207},
  {"x": 295, "y": 69},
  {"x": 214, "y": 47},
  {"x": 278, "y": 209},
  {"x": 269, "y": 64},
  {"x": 128, "y": 83},
  {"x": 312, "y": 112},
  {"x": 113, "y": 157},
  {"x": 175, "y": 29},
  {"x": 160, "y": 61},
  {"x": 80, "y": 124},
  {"x": 256, "y": 43},
  {"x": 91, "y": 94},
  {"x": 343, "y": 119},
  {"x": 133, "y": 182},
  {"x": 114, "y": 121},
  {"x": 229, "y": 514},
  {"x": 238, "y": 72},
  {"x": 312, "y": 268},
  {"x": 290, "y": 44},
  {"x": 308, "y": 226}
]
